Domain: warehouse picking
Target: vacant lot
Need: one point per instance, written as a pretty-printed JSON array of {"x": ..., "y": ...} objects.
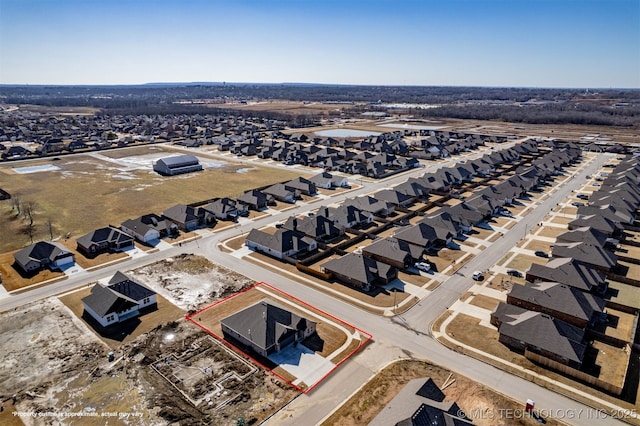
[
  {"x": 89, "y": 192},
  {"x": 53, "y": 362}
]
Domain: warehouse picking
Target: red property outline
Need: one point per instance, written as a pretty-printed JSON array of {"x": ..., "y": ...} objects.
[{"x": 238, "y": 350}]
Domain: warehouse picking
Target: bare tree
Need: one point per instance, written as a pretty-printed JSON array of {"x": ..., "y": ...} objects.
[
  {"x": 50, "y": 227},
  {"x": 28, "y": 209},
  {"x": 29, "y": 229},
  {"x": 16, "y": 203}
]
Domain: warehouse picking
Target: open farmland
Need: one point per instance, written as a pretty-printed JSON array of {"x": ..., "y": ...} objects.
[{"x": 93, "y": 190}]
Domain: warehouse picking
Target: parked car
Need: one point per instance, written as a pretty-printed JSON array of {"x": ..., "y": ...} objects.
[
  {"x": 422, "y": 266},
  {"x": 583, "y": 196},
  {"x": 514, "y": 273},
  {"x": 577, "y": 204},
  {"x": 540, "y": 253},
  {"x": 478, "y": 276}
]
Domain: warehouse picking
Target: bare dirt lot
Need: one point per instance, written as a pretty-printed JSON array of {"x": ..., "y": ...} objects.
[
  {"x": 190, "y": 282},
  {"x": 63, "y": 365}
]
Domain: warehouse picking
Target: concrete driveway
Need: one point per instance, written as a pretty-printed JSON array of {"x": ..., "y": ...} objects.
[{"x": 303, "y": 363}]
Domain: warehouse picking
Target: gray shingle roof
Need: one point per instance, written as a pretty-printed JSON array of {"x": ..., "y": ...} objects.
[
  {"x": 358, "y": 267},
  {"x": 42, "y": 252},
  {"x": 104, "y": 235},
  {"x": 265, "y": 323},
  {"x": 104, "y": 301},
  {"x": 120, "y": 294},
  {"x": 560, "y": 298},
  {"x": 568, "y": 271},
  {"x": 394, "y": 249},
  {"x": 587, "y": 253},
  {"x": 546, "y": 333}
]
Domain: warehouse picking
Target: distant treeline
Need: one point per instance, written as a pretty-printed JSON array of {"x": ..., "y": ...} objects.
[
  {"x": 292, "y": 120},
  {"x": 563, "y": 113},
  {"x": 613, "y": 107}
]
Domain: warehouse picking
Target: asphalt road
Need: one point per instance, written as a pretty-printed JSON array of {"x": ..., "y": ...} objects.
[{"x": 399, "y": 337}]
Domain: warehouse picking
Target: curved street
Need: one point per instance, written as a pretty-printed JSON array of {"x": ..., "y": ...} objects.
[{"x": 402, "y": 336}]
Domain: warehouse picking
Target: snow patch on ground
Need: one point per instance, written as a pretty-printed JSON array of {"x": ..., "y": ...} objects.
[{"x": 187, "y": 290}]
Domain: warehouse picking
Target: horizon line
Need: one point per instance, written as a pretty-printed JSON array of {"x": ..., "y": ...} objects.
[{"x": 225, "y": 83}]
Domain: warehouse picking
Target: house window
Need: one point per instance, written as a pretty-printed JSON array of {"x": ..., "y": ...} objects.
[
  {"x": 110, "y": 318},
  {"x": 146, "y": 300}
]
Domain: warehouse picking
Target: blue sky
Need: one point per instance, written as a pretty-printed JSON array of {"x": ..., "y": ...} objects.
[{"x": 533, "y": 43}]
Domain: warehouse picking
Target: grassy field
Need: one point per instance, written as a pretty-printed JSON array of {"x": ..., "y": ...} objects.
[{"x": 89, "y": 193}]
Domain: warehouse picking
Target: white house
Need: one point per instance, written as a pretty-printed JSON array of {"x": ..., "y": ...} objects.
[{"x": 118, "y": 301}]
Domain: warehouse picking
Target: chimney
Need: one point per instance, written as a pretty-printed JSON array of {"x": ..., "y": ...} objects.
[
  {"x": 295, "y": 224},
  {"x": 326, "y": 212}
]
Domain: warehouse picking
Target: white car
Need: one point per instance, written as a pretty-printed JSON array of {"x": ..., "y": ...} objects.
[
  {"x": 423, "y": 266},
  {"x": 478, "y": 276}
]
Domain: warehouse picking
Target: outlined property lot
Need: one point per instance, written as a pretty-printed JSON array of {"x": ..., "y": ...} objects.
[{"x": 303, "y": 365}]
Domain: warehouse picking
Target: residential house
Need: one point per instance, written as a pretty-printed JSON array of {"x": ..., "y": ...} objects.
[
  {"x": 16, "y": 151},
  {"x": 371, "y": 205},
  {"x": 465, "y": 215},
  {"x": 560, "y": 301},
  {"x": 414, "y": 188},
  {"x": 424, "y": 236},
  {"x": 179, "y": 164},
  {"x": 185, "y": 217},
  {"x": 394, "y": 252},
  {"x": 121, "y": 299},
  {"x": 486, "y": 204},
  {"x": 301, "y": 185},
  {"x": 221, "y": 209},
  {"x": 280, "y": 192},
  {"x": 602, "y": 224},
  {"x": 266, "y": 327},
  {"x": 442, "y": 219},
  {"x": 318, "y": 227},
  {"x": 590, "y": 254},
  {"x": 255, "y": 199},
  {"x": 607, "y": 211},
  {"x": 570, "y": 272},
  {"x": 360, "y": 271},
  {"x": 346, "y": 216},
  {"x": 436, "y": 183},
  {"x": 283, "y": 243},
  {"x": 43, "y": 254},
  {"x": 148, "y": 228},
  {"x": 421, "y": 402},
  {"x": 540, "y": 337},
  {"x": 586, "y": 234},
  {"x": 327, "y": 180},
  {"x": 394, "y": 197},
  {"x": 103, "y": 239}
]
